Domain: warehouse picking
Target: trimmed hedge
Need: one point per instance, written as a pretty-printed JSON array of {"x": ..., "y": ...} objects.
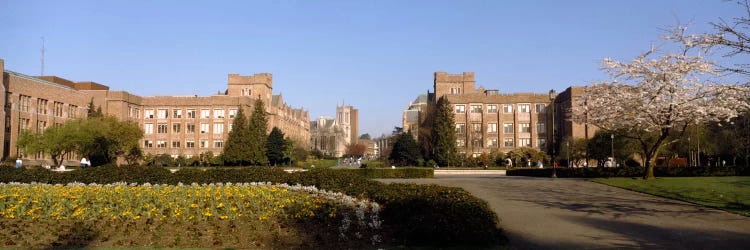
[
  {"x": 631, "y": 172},
  {"x": 437, "y": 215},
  {"x": 415, "y": 214},
  {"x": 375, "y": 173}
]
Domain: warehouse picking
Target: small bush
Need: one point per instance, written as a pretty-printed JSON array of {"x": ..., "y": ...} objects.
[
  {"x": 436, "y": 215},
  {"x": 376, "y": 173}
]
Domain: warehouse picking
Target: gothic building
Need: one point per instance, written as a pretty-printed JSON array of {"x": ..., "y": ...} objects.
[{"x": 331, "y": 136}]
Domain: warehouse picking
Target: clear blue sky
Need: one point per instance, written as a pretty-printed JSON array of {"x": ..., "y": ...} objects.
[{"x": 374, "y": 55}]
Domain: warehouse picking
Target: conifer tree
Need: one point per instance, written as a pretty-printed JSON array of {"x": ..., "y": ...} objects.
[
  {"x": 276, "y": 147},
  {"x": 443, "y": 134},
  {"x": 405, "y": 150},
  {"x": 257, "y": 135},
  {"x": 237, "y": 151},
  {"x": 94, "y": 112}
]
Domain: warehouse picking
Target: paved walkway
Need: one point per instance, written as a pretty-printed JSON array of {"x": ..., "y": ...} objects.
[{"x": 545, "y": 213}]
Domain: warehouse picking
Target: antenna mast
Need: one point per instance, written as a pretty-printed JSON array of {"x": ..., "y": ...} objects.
[{"x": 42, "y": 59}]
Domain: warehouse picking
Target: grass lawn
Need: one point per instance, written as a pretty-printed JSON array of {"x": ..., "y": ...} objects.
[{"x": 727, "y": 193}]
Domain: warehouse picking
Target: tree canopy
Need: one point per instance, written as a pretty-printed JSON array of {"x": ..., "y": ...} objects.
[
  {"x": 405, "y": 151},
  {"x": 600, "y": 147},
  {"x": 524, "y": 155},
  {"x": 101, "y": 139},
  {"x": 365, "y": 136},
  {"x": 651, "y": 97},
  {"x": 355, "y": 150}
]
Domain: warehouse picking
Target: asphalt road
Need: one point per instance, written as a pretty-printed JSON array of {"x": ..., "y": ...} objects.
[{"x": 545, "y": 213}]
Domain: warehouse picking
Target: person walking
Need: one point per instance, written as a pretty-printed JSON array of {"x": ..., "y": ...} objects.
[
  {"x": 19, "y": 162},
  {"x": 84, "y": 162}
]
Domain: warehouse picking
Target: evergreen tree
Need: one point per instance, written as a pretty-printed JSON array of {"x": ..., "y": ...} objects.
[
  {"x": 276, "y": 147},
  {"x": 237, "y": 151},
  {"x": 443, "y": 134},
  {"x": 257, "y": 135},
  {"x": 94, "y": 112},
  {"x": 405, "y": 150}
]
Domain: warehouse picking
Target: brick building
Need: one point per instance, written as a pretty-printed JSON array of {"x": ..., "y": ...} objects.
[
  {"x": 488, "y": 120},
  {"x": 331, "y": 136},
  {"x": 174, "y": 125}
]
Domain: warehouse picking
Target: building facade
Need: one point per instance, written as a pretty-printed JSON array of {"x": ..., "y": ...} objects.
[
  {"x": 487, "y": 120},
  {"x": 173, "y": 125},
  {"x": 411, "y": 116},
  {"x": 372, "y": 150},
  {"x": 331, "y": 136}
]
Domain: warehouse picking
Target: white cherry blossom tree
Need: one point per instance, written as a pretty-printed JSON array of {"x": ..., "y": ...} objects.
[{"x": 659, "y": 94}]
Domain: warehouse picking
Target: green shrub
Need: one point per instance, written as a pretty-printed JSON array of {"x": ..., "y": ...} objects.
[
  {"x": 375, "y": 173},
  {"x": 436, "y": 215},
  {"x": 162, "y": 160},
  {"x": 431, "y": 163}
]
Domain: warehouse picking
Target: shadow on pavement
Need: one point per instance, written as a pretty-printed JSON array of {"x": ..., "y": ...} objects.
[{"x": 646, "y": 236}]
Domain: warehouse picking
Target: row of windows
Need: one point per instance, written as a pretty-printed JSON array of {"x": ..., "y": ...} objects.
[
  {"x": 25, "y": 124},
  {"x": 492, "y": 108},
  {"x": 162, "y": 128},
  {"x": 24, "y": 104},
  {"x": 178, "y": 144},
  {"x": 190, "y": 113},
  {"x": 507, "y": 142},
  {"x": 507, "y": 128}
]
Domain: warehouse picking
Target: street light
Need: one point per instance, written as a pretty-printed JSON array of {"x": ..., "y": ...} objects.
[
  {"x": 690, "y": 153},
  {"x": 567, "y": 146},
  {"x": 552, "y": 95},
  {"x": 612, "y": 163}
]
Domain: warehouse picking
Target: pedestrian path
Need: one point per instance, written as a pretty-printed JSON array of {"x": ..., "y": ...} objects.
[{"x": 546, "y": 213}]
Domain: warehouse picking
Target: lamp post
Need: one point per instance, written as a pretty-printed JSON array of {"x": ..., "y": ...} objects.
[
  {"x": 690, "y": 153},
  {"x": 552, "y": 95},
  {"x": 612, "y": 150},
  {"x": 567, "y": 158}
]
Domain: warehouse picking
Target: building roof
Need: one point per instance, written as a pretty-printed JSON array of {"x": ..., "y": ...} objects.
[
  {"x": 326, "y": 123},
  {"x": 420, "y": 99},
  {"x": 13, "y": 73}
]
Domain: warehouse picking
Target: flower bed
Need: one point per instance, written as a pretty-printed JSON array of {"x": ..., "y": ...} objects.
[
  {"x": 404, "y": 207},
  {"x": 115, "y": 210}
]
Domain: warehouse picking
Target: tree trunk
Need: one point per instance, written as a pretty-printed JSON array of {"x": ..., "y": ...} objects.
[
  {"x": 55, "y": 162},
  {"x": 649, "y": 170}
]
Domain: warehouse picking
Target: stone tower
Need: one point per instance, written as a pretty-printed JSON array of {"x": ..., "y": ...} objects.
[
  {"x": 453, "y": 84},
  {"x": 258, "y": 85},
  {"x": 347, "y": 119}
]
